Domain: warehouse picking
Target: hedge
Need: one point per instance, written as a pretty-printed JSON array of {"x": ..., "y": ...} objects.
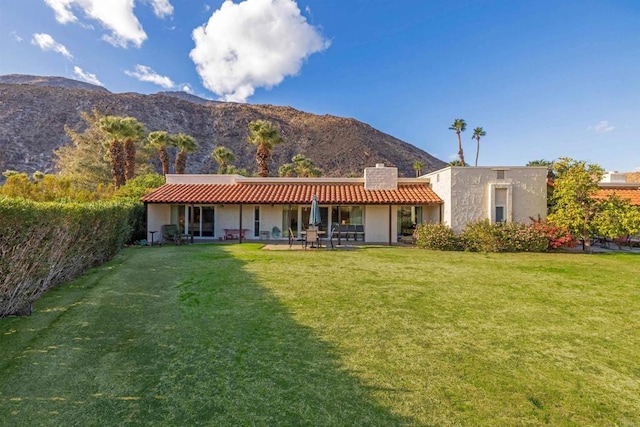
[
  {"x": 482, "y": 236},
  {"x": 45, "y": 244}
]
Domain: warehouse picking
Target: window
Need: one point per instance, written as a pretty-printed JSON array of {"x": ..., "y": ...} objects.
[
  {"x": 500, "y": 174},
  {"x": 256, "y": 221},
  {"x": 499, "y": 213}
]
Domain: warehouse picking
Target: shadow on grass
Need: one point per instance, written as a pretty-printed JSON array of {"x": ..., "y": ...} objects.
[{"x": 173, "y": 336}]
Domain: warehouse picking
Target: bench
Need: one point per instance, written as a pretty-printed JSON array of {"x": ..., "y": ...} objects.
[
  {"x": 234, "y": 233},
  {"x": 172, "y": 232}
]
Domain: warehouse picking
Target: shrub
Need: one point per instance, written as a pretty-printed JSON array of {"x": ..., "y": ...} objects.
[
  {"x": 45, "y": 244},
  {"x": 437, "y": 237},
  {"x": 557, "y": 237},
  {"x": 482, "y": 236}
]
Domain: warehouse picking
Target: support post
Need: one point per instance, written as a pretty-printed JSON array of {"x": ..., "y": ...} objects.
[
  {"x": 240, "y": 228},
  {"x": 390, "y": 227}
]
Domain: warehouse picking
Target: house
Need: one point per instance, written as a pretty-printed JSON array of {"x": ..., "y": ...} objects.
[
  {"x": 383, "y": 205},
  {"x": 615, "y": 183}
]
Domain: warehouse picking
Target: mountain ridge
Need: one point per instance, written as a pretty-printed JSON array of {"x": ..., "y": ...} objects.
[{"x": 33, "y": 117}]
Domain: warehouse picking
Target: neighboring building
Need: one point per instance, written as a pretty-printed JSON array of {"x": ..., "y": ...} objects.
[
  {"x": 382, "y": 204},
  {"x": 511, "y": 194},
  {"x": 616, "y": 183}
]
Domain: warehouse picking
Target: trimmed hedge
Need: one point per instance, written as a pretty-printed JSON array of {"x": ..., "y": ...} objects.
[{"x": 45, "y": 244}]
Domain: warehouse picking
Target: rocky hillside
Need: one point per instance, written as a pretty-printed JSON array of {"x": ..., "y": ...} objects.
[
  {"x": 33, "y": 116},
  {"x": 22, "y": 79}
]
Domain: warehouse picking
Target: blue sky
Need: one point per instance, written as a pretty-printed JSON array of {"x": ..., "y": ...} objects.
[{"x": 544, "y": 78}]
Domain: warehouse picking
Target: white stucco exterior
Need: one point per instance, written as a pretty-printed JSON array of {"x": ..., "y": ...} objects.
[{"x": 473, "y": 193}]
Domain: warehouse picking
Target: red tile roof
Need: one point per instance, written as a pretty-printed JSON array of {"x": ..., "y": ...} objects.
[
  {"x": 348, "y": 194},
  {"x": 631, "y": 194}
]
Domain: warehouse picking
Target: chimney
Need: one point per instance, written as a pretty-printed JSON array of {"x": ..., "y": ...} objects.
[{"x": 380, "y": 178}]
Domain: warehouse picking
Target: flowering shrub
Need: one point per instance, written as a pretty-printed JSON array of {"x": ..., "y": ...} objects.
[
  {"x": 482, "y": 236},
  {"x": 558, "y": 237},
  {"x": 437, "y": 237}
]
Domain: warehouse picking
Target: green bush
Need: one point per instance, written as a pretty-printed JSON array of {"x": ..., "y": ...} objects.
[
  {"x": 437, "y": 237},
  {"x": 482, "y": 236},
  {"x": 45, "y": 244}
]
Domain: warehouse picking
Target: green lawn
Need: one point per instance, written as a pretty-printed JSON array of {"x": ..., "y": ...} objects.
[{"x": 234, "y": 335}]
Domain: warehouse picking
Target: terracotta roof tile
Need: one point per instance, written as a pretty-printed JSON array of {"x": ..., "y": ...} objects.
[
  {"x": 414, "y": 194},
  {"x": 631, "y": 194}
]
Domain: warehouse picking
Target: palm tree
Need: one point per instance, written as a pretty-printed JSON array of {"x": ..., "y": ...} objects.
[
  {"x": 160, "y": 140},
  {"x": 186, "y": 144},
  {"x": 123, "y": 132},
  {"x": 264, "y": 136},
  {"x": 223, "y": 156},
  {"x": 477, "y": 134},
  {"x": 455, "y": 163},
  {"x": 417, "y": 166},
  {"x": 300, "y": 166},
  {"x": 459, "y": 125}
]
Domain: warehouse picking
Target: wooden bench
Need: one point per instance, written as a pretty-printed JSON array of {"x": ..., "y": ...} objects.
[{"x": 234, "y": 233}]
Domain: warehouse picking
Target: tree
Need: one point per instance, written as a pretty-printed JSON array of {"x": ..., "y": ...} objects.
[
  {"x": 123, "y": 132},
  {"x": 300, "y": 166},
  {"x": 541, "y": 162},
  {"x": 459, "y": 125},
  {"x": 264, "y": 136},
  {"x": 223, "y": 156},
  {"x": 160, "y": 140},
  {"x": 86, "y": 160},
  {"x": 477, "y": 134},
  {"x": 139, "y": 186},
  {"x": 617, "y": 217},
  {"x": 455, "y": 163},
  {"x": 574, "y": 205},
  {"x": 417, "y": 166},
  {"x": 186, "y": 144}
]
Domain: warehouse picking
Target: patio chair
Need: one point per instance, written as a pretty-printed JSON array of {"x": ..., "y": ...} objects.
[
  {"x": 359, "y": 232},
  {"x": 170, "y": 232},
  {"x": 292, "y": 238},
  {"x": 311, "y": 237},
  {"x": 330, "y": 237}
]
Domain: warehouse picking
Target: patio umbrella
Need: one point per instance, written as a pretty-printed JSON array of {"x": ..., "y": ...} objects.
[{"x": 314, "y": 215}]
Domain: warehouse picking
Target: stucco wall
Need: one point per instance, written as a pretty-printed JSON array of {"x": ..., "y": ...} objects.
[
  {"x": 157, "y": 216},
  {"x": 431, "y": 214},
  {"x": 376, "y": 224},
  {"x": 441, "y": 185},
  {"x": 473, "y": 194},
  {"x": 271, "y": 216}
]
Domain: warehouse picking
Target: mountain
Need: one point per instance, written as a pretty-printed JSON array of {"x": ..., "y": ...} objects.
[
  {"x": 22, "y": 79},
  {"x": 34, "y": 112},
  {"x": 188, "y": 97}
]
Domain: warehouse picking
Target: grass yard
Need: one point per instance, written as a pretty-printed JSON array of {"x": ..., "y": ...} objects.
[{"x": 234, "y": 335}]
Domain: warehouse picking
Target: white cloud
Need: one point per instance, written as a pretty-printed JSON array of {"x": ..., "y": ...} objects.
[
  {"x": 602, "y": 126},
  {"x": 16, "y": 37},
  {"x": 255, "y": 43},
  {"x": 161, "y": 8},
  {"x": 115, "y": 15},
  {"x": 46, "y": 42},
  {"x": 146, "y": 74},
  {"x": 85, "y": 76},
  {"x": 186, "y": 87}
]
